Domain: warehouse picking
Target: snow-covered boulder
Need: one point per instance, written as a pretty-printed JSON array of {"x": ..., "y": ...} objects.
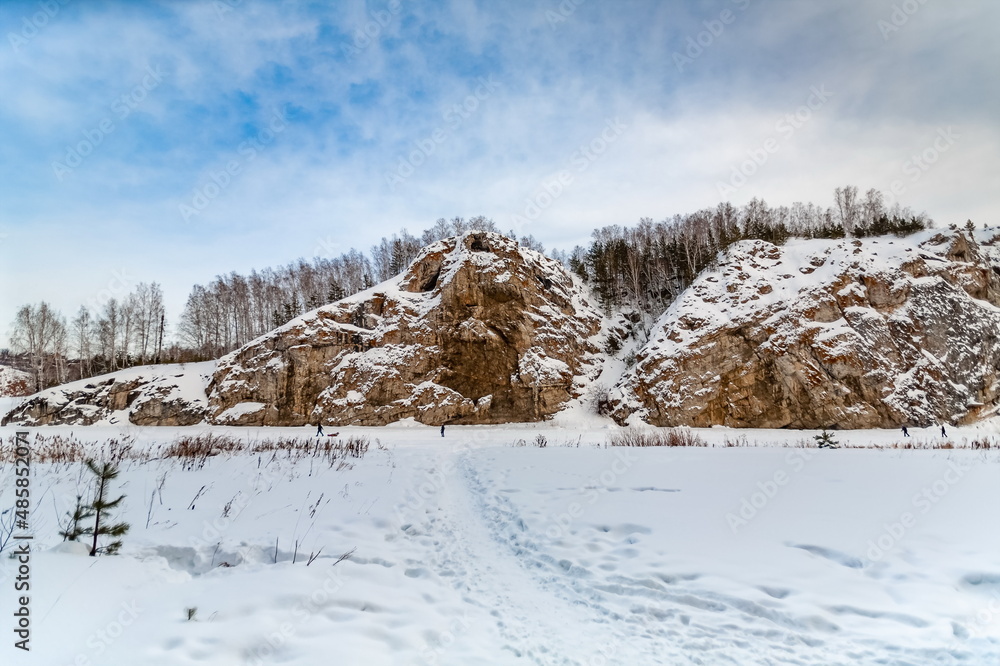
[
  {"x": 851, "y": 333},
  {"x": 171, "y": 395}
]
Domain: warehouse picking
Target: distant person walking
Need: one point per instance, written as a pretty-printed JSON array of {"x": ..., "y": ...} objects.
[
  {"x": 906, "y": 433},
  {"x": 943, "y": 432},
  {"x": 442, "y": 430},
  {"x": 319, "y": 430}
]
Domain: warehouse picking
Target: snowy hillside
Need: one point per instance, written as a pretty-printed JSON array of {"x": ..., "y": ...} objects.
[
  {"x": 476, "y": 330},
  {"x": 467, "y": 551}
]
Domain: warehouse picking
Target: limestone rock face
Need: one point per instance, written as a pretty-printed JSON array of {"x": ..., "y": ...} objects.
[
  {"x": 477, "y": 330},
  {"x": 170, "y": 395},
  {"x": 850, "y": 333}
]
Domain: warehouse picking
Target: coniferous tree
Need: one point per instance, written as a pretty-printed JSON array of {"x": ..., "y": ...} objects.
[
  {"x": 825, "y": 440},
  {"x": 335, "y": 292},
  {"x": 104, "y": 474},
  {"x": 74, "y": 526}
]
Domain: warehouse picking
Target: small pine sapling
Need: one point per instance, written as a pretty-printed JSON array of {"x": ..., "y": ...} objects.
[
  {"x": 825, "y": 440},
  {"x": 74, "y": 527},
  {"x": 102, "y": 506}
]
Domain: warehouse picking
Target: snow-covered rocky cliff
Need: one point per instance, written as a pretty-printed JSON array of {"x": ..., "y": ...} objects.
[
  {"x": 855, "y": 333},
  {"x": 477, "y": 330}
]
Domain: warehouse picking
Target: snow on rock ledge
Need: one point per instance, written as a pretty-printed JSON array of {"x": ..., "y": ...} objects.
[
  {"x": 850, "y": 333},
  {"x": 477, "y": 330}
]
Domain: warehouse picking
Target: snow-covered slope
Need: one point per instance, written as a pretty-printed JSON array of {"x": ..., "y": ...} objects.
[
  {"x": 477, "y": 330},
  {"x": 853, "y": 333}
]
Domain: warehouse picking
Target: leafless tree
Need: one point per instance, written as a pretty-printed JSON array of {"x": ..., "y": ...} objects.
[
  {"x": 40, "y": 333},
  {"x": 847, "y": 207},
  {"x": 83, "y": 339}
]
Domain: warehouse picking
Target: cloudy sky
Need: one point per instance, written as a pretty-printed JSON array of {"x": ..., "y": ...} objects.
[{"x": 174, "y": 141}]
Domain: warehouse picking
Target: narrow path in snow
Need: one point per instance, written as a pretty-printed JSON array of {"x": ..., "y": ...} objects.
[
  {"x": 568, "y": 627},
  {"x": 533, "y": 626},
  {"x": 594, "y": 631}
]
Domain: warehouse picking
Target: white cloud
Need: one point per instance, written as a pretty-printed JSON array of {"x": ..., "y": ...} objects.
[{"x": 324, "y": 177}]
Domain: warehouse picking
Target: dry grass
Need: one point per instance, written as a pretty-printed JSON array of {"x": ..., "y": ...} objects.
[
  {"x": 540, "y": 441},
  {"x": 641, "y": 438},
  {"x": 67, "y": 448},
  {"x": 905, "y": 445},
  {"x": 909, "y": 445},
  {"x": 738, "y": 442},
  {"x": 192, "y": 450},
  {"x": 981, "y": 444}
]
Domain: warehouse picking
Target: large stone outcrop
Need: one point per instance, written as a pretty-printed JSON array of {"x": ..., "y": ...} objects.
[
  {"x": 477, "y": 330},
  {"x": 851, "y": 333}
]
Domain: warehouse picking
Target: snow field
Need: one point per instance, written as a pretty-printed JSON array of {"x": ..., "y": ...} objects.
[{"x": 466, "y": 550}]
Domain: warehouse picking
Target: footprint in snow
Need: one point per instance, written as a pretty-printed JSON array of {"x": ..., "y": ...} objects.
[
  {"x": 776, "y": 592},
  {"x": 835, "y": 556},
  {"x": 982, "y": 580}
]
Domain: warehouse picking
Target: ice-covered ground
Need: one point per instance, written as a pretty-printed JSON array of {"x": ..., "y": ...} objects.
[{"x": 466, "y": 550}]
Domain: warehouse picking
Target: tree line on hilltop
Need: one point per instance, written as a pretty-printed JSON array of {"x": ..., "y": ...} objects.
[
  {"x": 647, "y": 266},
  {"x": 643, "y": 267}
]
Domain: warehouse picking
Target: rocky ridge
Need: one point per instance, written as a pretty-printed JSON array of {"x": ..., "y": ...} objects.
[
  {"x": 170, "y": 395},
  {"x": 852, "y": 333},
  {"x": 856, "y": 333},
  {"x": 476, "y": 330}
]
